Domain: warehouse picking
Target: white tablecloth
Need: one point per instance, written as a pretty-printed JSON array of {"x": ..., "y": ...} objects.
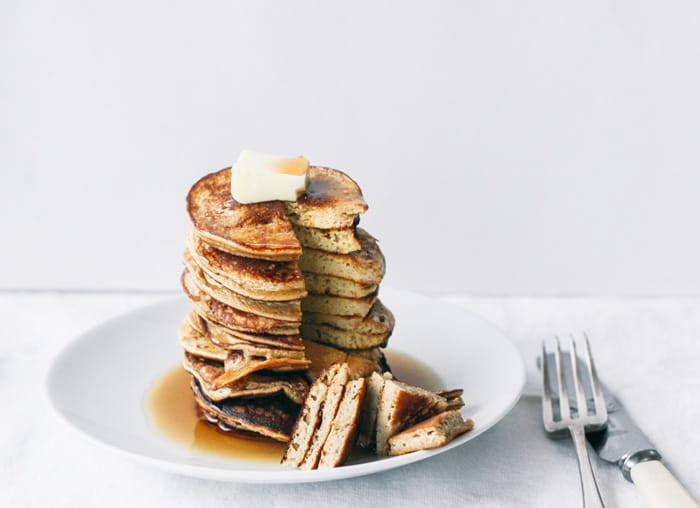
[{"x": 647, "y": 351}]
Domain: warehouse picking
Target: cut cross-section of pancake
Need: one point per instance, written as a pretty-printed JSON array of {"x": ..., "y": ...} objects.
[
  {"x": 341, "y": 241},
  {"x": 332, "y": 200},
  {"x": 255, "y": 278},
  {"x": 273, "y": 417},
  {"x": 343, "y": 432},
  {"x": 319, "y": 284},
  {"x": 379, "y": 320},
  {"x": 360, "y": 363},
  {"x": 367, "y": 434},
  {"x": 257, "y": 230},
  {"x": 400, "y": 406},
  {"x": 434, "y": 432},
  {"x": 309, "y": 419},
  {"x": 338, "y": 305},
  {"x": 346, "y": 339},
  {"x": 366, "y": 265},
  {"x": 280, "y": 310}
]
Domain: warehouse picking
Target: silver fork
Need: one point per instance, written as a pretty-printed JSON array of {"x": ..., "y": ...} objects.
[{"x": 578, "y": 417}]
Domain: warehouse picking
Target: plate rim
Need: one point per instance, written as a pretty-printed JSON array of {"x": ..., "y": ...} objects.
[{"x": 285, "y": 475}]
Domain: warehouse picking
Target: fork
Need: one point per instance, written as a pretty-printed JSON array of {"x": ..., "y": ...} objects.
[{"x": 579, "y": 417}]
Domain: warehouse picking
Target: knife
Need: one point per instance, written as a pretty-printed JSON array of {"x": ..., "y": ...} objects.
[
  {"x": 625, "y": 445},
  {"x": 622, "y": 443}
]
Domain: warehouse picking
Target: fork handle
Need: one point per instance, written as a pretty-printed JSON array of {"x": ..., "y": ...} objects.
[
  {"x": 659, "y": 488},
  {"x": 589, "y": 487}
]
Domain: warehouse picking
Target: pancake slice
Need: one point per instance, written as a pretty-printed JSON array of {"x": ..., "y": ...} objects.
[
  {"x": 308, "y": 421},
  {"x": 343, "y": 432},
  {"x": 431, "y": 433},
  {"x": 366, "y": 266},
  {"x": 273, "y": 417}
]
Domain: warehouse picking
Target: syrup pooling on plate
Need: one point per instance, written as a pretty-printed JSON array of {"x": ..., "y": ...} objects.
[{"x": 172, "y": 412}]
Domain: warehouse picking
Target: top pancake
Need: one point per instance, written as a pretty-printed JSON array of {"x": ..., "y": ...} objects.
[{"x": 263, "y": 230}]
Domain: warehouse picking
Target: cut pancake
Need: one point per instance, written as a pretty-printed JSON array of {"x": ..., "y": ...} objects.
[
  {"x": 226, "y": 315},
  {"x": 367, "y": 434},
  {"x": 431, "y": 433},
  {"x": 346, "y": 339},
  {"x": 379, "y": 320},
  {"x": 322, "y": 356},
  {"x": 273, "y": 417},
  {"x": 258, "y": 230},
  {"x": 327, "y": 416},
  {"x": 328, "y": 285},
  {"x": 332, "y": 200},
  {"x": 283, "y": 311},
  {"x": 400, "y": 406},
  {"x": 255, "y": 278},
  {"x": 338, "y": 305},
  {"x": 366, "y": 266},
  {"x": 309, "y": 418},
  {"x": 343, "y": 432},
  {"x": 341, "y": 241},
  {"x": 258, "y": 384},
  {"x": 229, "y": 338}
]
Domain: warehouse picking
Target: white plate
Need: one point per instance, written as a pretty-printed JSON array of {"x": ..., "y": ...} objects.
[{"x": 99, "y": 381}]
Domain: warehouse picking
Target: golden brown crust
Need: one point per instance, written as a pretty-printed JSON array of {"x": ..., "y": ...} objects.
[{"x": 258, "y": 230}]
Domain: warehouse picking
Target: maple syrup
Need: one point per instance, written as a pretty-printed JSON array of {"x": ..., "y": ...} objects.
[{"x": 172, "y": 411}]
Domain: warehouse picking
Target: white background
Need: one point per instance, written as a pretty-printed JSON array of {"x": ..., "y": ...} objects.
[{"x": 547, "y": 147}]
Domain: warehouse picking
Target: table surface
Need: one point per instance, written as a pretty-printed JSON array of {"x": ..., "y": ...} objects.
[{"x": 646, "y": 350}]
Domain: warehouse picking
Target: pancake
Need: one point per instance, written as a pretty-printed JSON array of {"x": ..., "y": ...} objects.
[
  {"x": 258, "y": 279},
  {"x": 194, "y": 342},
  {"x": 341, "y": 241},
  {"x": 338, "y": 305},
  {"x": 346, "y": 339},
  {"x": 431, "y": 433},
  {"x": 332, "y": 200},
  {"x": 366, "y": 265},
  {"x": 229, "y": 338},
  {"x": 257, "y": 230},
  {"x": 230, "y": 317},
  {"x": 343, "y": 432},
  {"x": 293, "y": 386},
  {"x": 378, "y": 320},
  {"x": 273, "y": 417},
  {"x": 283, "y": 311},
  {"x": 328, "y": 285},
  {"x": 309, "y": 419}
]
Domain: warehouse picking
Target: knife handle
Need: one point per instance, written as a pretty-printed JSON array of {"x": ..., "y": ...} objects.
[{"x": 659, "y": 488}]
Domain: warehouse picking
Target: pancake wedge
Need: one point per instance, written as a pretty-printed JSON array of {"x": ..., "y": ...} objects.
[
  {"x": 343, "y": 432},
  {"x": 320, "y": 284},
  {"x": 379, "y": 320},
  {"x": 345, "y": 339},
  {"x": 431, "y": 433}
]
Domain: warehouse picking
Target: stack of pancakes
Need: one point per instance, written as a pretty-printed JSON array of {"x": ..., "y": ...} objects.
[{"x": 279, "y": 291}]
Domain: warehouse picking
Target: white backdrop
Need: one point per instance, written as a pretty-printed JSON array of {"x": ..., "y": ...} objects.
[{"x": 504, "y": 147}]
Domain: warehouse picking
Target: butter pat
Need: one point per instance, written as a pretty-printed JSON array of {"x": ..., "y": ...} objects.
[{"x": 257, "y": 177}]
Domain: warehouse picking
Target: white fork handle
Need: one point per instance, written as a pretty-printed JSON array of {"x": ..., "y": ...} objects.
[
  {"x": 589, "y": 487},
  {"x": 659, "y": 487}
]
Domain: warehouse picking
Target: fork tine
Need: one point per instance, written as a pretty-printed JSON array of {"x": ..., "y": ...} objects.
[
  {"x": 564, "y": 409},
  {"x": 600, "y": 408},
  {"x": 547, "y": 392},
  {"x": 581, "y": 404}
]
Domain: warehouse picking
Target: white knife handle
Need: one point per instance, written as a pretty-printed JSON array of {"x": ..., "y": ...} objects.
[{"x": 659, "y": 487}]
